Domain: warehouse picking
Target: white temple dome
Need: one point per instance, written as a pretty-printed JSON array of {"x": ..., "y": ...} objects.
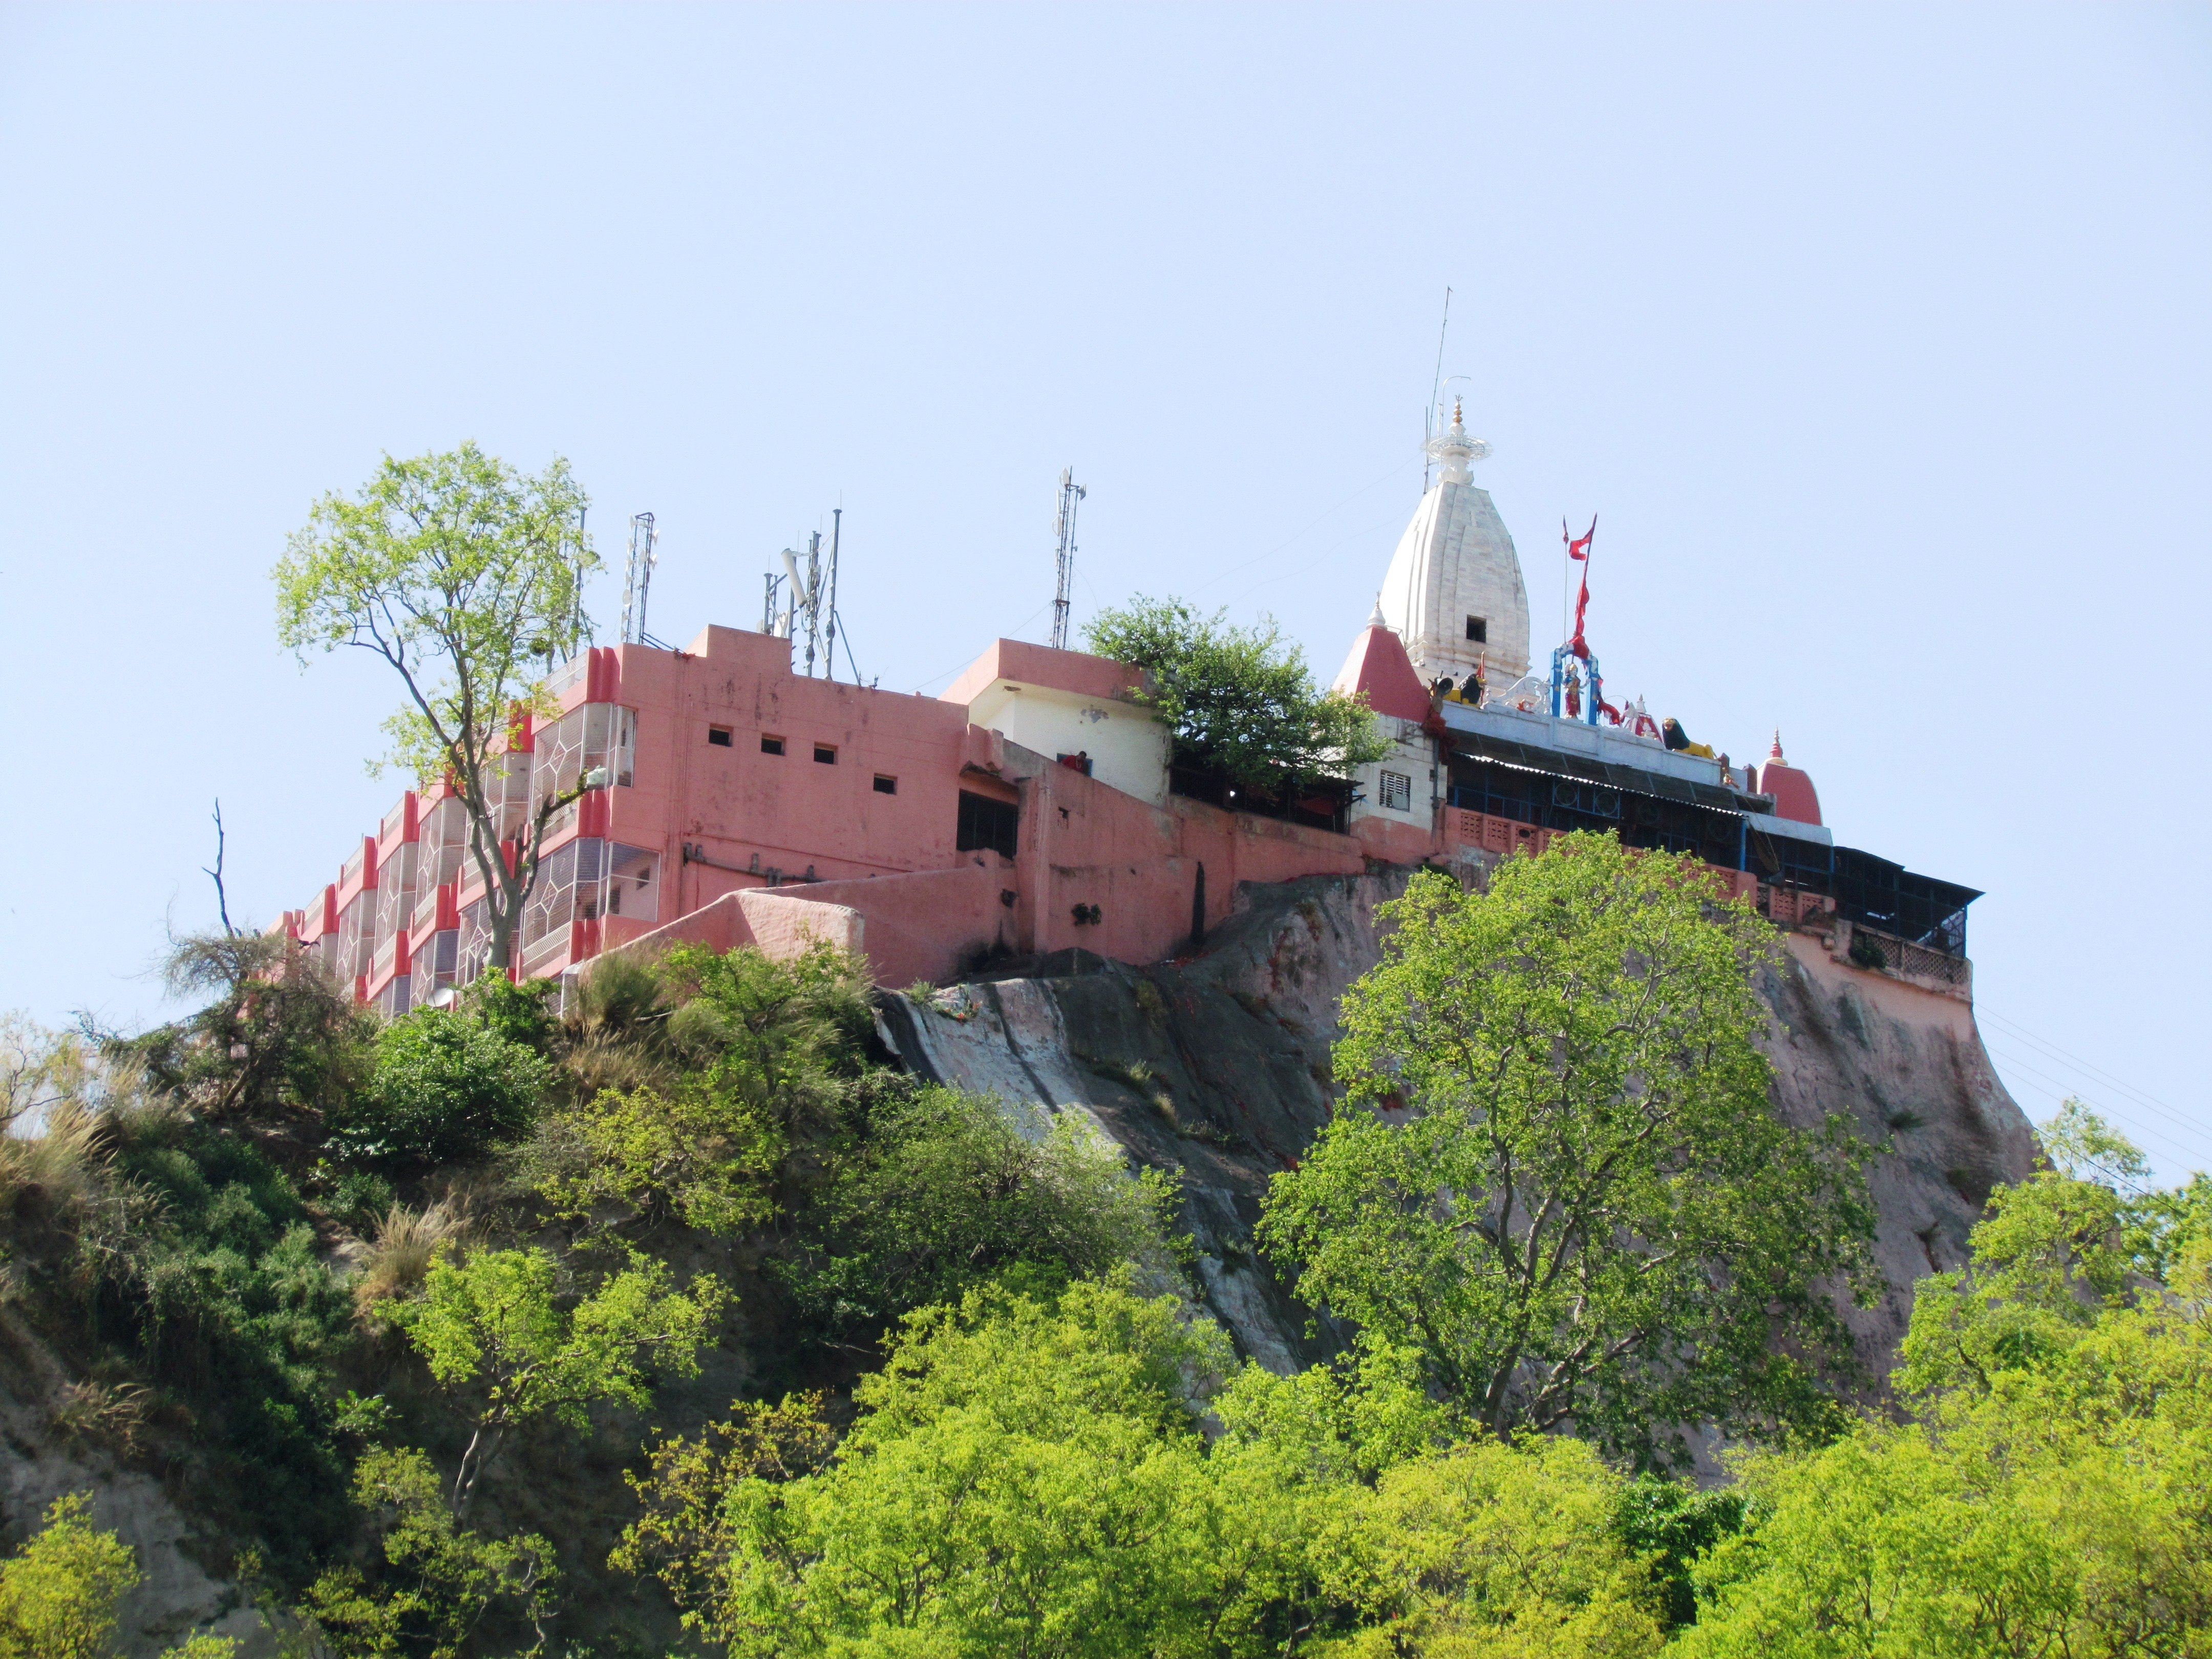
[{"x": 1454, "y": 593}]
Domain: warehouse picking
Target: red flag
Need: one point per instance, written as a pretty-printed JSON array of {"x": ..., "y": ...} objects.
[{"x": 1578, "y": 548}]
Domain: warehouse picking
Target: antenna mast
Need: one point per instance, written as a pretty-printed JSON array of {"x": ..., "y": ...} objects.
[
  {"x": 1436, "y": 388},
  {"x": 637, "y": 580},
  {"x": 1070, "y": 493},
  {"x": 830, "y": 602}
]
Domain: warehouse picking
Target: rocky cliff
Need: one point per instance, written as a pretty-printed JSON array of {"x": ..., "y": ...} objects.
[{"x": 1218, "y": 1065}]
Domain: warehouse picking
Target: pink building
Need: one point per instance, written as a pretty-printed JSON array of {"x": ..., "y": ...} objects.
[
  {"x": 1034, "y": 805},
  {"x": 742, "y": 802}
]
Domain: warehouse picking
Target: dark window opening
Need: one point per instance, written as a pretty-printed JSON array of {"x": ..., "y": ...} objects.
[
  {"x": 1478, "y": 630},
  {"x": 886, "y": 786},
  {"x": 824, "y": 755},
  {"x": 987, "y": 825},
  {"x": 771, "y": 746},
  {"x": 718, "y": 736}
]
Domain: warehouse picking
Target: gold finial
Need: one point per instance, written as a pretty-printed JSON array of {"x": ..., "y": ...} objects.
[{"x": 1455, "y": 420}]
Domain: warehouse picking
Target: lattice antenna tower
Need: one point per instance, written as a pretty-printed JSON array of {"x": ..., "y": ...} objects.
[
  {"x": 803, "y": 606},
  {"x": 637, "y": 579},
  {"x": 1071, "y": 493}
]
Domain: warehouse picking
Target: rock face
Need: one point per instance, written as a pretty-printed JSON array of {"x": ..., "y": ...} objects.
[{"x": 1219, "y": 1066}]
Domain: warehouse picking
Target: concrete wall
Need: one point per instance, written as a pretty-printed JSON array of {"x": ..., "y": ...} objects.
[{"x": 1068, "y": 702}]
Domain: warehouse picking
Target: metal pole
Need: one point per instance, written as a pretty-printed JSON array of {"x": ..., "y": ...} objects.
[{"x": 830, "y": 648}]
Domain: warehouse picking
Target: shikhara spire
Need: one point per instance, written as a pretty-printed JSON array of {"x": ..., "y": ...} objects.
[{"x": 1454, "y": 591}]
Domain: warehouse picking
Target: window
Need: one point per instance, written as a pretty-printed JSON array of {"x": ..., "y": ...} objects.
[
  {"x": 886, "y": 786},
  {"x": 771, "y": 746},
  {"x": 825, "y": 755},
  {"x": 1478, "y": 630},
  {"x": 718, "y": 736},
  {"x": 987, "y": 825},
  {"x": 1398, "y": 792}
]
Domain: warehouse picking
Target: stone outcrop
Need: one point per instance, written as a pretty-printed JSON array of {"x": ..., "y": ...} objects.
[{"x": 1219, "y": 1066}]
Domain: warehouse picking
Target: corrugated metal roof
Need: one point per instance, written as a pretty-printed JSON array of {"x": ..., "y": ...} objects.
[{"x": 1632, "y": 779}]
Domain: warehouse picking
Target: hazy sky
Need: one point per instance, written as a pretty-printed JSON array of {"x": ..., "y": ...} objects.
[{"x": 1877, "y": 336}]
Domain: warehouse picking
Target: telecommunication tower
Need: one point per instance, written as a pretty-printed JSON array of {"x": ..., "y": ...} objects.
[
  {"x": 1070, "y": 493},
  {"x": 637, "y": 581},
  {"x": 809, "y": 594}
]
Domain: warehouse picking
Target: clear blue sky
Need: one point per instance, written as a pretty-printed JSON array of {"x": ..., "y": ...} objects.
[{"x": 1878, "y": 336}]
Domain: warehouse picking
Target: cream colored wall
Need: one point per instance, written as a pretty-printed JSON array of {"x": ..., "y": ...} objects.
[
  {"x": 1127, "y": 746},
  {"x": 1413, "y": 754}
]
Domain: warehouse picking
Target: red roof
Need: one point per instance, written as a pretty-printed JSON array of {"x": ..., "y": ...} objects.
[{"x": 1379, "y": 666}]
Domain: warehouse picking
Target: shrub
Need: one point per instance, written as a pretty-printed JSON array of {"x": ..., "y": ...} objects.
[
  {"x": 942, "y": 1193},
  {"x": 59, "y": 1592},
  {"x": 437, "y": 1581},
  {"x": 446, "y": 1087},
  {"x": 1239, "y": 699}
]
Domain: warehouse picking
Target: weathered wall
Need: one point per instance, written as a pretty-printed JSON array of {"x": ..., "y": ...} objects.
[{"x": 1220, "y": 1066}]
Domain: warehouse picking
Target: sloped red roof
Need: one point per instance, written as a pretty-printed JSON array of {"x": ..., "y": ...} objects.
[{"x": 1379, "y": 666}]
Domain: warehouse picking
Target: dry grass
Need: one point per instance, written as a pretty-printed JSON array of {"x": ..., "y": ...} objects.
[
  {"x": 406, "y": 1243},
  {"x": 112, "y": 1417}
]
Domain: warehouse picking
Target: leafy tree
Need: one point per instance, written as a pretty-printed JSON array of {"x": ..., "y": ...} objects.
[
  {"x": 941, "y": 1193},
  {"x": 1673, "y": 1524},
  {"x": 445, "y": 1087},
  {"x": 2155, "y": 1224},
  {"x": 198, "y": 1260},
  {"x": 1240, "y": 700},
  {"x": 278, "y": 1036},
  {"x": 683, "y": 1156},
  {"x": 438, "y": 1579},
  {"x": 493, "y": 1326},
  {"x": 463, "y": 575},
  {"x": 1022, "y": 1479},
  {"x": 1594, "y": 1217},
  {"x": 786, "y": 1040},
  {"x": 2053, "y": 1494},
  {"x": 58, "y": 1594},
  {"x": 1495, "y": 1549},
  {"x": 688, "y": 1532},
  {"x": 60, "y": 1591},
  {"x": 732, "y": 1063}
]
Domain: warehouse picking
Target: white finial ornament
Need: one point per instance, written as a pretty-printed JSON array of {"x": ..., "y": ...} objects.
[
  {"x": 1376, "y": 619},
  {"x": 1455, "y": 449}
]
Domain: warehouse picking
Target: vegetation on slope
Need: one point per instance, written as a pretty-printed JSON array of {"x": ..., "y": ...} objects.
[{"x": 347, "y": 1284}]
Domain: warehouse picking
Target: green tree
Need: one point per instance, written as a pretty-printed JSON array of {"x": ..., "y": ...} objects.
[
  {"x": 438, "y": 1579},
  {"x": 941, "y": 1193},
  {"x": 494, "y": 1328},
  {"x": 60, "y": 1591},
  {"x": 1240, "y": 700},
  {"x": 1496, "y": 1550},
  {"x": 2053, "y": 1491},
  {"x": 1024, "y": 1478},
  {"x": 464, "y": 576},
  {"x": 444, "y": 1086},
  {"x": 1594, "y": 1217}
]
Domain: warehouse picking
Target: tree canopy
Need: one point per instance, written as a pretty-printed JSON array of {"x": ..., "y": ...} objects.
[
  {"x": 466, "y": 578},
  {"x": 1237, "y": 700},
  {"x": 1593, "y": 1217}
]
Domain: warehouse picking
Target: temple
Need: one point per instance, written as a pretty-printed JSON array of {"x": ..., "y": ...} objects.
[{"x": 1036, "y": 804}]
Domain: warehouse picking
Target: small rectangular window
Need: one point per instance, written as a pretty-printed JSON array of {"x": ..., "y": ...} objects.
[
  {"x": 1397, "y": 791},
  {"x": 771, "y": 746},
  {"x": 987, "y": 825},
  {"x": 718, "y": 736},
  {"x": 825, "y": 755},
  {"x": 886, "y": 786},
  {"x": 1478, "y": 630}
]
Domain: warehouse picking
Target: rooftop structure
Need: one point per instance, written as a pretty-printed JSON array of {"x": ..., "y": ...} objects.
[{"x": 1034, "y": 804}]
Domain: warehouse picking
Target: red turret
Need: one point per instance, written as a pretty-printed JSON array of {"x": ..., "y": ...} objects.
[{"x": 1793, "y": 792}]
